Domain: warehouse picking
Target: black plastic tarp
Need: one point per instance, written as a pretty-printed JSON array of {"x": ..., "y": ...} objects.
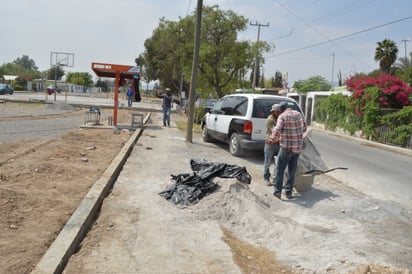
[
  {"x": 311, "y": 161},
  {"x": 188, "y": 189}
]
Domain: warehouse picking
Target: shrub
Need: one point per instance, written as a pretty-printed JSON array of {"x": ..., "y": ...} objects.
[
  {"x": 401, "y": 124},
  {"x": 393, "y": 92},
  {"x": 334, "y": 112}
]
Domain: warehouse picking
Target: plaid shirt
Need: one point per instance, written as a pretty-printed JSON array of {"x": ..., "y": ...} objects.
[{"x": 290, "y": 127}]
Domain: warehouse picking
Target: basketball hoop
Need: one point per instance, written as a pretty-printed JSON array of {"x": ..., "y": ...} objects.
[{"x": 63, "y": 59}]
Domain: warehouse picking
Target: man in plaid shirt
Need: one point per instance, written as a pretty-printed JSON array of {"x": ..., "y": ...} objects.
[{"x": 289, "y": 129}]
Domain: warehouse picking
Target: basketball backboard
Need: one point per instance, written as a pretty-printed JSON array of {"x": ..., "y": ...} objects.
[{"x": 62, "y": 59}]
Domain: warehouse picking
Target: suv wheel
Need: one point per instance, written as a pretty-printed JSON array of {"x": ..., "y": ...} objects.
[
  {"x": 205, "y": 134},
  {"x": 234, "y": 145}
]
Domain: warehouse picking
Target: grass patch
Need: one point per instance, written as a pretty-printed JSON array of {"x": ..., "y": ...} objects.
[
  {"x": 181, "y": 122},
  {"x": 182, "y": 125}
]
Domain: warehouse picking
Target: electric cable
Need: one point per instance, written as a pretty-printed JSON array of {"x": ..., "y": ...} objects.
[{"x": 340, "y": 37}]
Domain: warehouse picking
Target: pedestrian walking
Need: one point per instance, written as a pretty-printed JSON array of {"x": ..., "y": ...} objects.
[
  {"x": 167, "y": 100},
  {"x": 289, "y": 130},
  {"x": 271, "y": 148}
]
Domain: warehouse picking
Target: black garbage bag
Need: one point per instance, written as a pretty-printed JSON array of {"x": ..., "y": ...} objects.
[
  {"x": 207, "y": 169},
  {"x": 188, "y": 189}
]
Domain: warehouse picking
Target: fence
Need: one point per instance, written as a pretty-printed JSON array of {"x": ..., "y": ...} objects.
[{"x": 384, "y": 130}]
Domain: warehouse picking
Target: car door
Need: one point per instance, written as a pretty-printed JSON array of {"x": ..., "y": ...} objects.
[
  {"x": 212, "y": 117},
  {"x": 218, "y": 120},
  {"x": 232, "y": 107}
]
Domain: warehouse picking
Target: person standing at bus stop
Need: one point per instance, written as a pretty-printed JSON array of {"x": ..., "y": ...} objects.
[
  {"x": 289, "y": 130},
  {"x": 129, "y": 94}
]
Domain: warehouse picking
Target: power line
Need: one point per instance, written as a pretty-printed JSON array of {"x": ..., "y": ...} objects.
[
  {"x": 340, "y": 37},
  {"x": 188, "y": 7},
  {"x": 354, "y": 57}
]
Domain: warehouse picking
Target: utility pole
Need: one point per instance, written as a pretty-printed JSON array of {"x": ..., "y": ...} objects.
[
  {"x": 404, "y": 41},
  {"x": 190, "y": 116},
  {"x": 257, "y": 52},
  {"x": 333, "y": 68}
]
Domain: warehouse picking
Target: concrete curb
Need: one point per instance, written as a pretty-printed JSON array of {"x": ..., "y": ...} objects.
[{"x": 69, "y": 238}]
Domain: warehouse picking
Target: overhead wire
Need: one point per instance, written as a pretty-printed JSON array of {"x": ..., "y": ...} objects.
[
  {"x": 340, "y": 11},
  {"x": 188, "y": 7},
  {"x": 323, "y": 35},
  {"x": 340, "y": 37}
]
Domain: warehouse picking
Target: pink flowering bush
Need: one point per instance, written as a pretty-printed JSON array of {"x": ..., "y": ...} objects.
[{"x": 394, "y": 93}]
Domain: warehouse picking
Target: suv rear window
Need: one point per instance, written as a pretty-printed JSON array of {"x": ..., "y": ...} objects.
[
  {"x": 262, "y": 107},
  {"x": 234, "y": 105}
]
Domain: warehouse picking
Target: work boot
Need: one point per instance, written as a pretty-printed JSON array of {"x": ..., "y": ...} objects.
[{"x": 277, "y": 195}]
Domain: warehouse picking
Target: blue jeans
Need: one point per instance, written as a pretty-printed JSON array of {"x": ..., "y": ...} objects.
[
  {"x": 269, "y": 151},
  {"x": 166, "y": 116},
  {"x": 129, "y": 100},
  {"x": 290, "y": 159}
]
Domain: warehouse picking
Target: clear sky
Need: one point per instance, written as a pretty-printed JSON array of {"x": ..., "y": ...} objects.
[{"x": 114, "y": 31}]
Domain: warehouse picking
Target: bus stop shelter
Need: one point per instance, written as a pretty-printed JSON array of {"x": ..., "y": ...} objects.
[{"x": 120, "y": 73}]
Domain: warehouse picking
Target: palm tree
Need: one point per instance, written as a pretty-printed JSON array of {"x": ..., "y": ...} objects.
[
  {"x": 386, "y": 54},
  {"x": 404, "y": 62},
  {"x": 403, "y": 69}
]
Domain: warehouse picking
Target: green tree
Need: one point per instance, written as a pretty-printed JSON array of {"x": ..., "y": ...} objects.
[
  {"x": 278, "y": 80},
  {"x": 313, "y": 83},
  {"x": 334, "y": 112},
  {"x": 26, "y": 63},
  {"x": 163, "y": 57},
  {"x": 339, "y": 74},
  {"x": 403, "y": 69},
  {"x": 80, "y": 78},
  {"x": 55, "y": 73},
  {"x": 104, "y": 85},
  {"x": 404, "y": 62},
  {"x": 386, "y": 54},
  {"x": 25, "y": 68},
  {"x": 222, "y": 59}
]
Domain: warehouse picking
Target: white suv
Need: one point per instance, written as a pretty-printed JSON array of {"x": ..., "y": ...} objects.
[{"x": 240, "y": 120}]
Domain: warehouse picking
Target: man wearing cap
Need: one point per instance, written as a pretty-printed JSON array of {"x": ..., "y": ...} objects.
[
  {"x": 271, "y": 146},
  {"x": 289, "y": 130},
  {"x": 167, "y": 100}
]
